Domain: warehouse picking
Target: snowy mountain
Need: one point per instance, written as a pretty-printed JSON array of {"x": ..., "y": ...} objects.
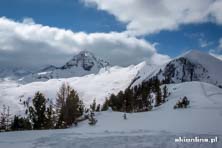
[
  {"x": 191, "y": 66},
  {"x": 94, "y": 86},
  {"x": 81, "y": 64},
  {"x": 188, "y": 75}
]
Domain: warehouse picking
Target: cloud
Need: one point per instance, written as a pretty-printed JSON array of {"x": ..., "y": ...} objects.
[
  {"x": 204, "y": 43},
  {"x": 201, "y": 39},
  {"x": 151, "y": 16},
  {"x": 30, "y": 45}
]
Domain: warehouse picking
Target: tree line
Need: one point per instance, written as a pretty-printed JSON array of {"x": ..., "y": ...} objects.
[
  {"x": 43, "y": 113},
  {"x": 139, "y": 98}
]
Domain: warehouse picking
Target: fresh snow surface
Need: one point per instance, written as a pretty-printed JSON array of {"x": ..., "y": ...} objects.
[
  {"x": 89, "y": 87},
  {"x": 155, "y": 129},
  {"x": 147, "y": 71}
]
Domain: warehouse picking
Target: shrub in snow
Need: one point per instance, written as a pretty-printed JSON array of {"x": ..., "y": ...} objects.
[
  {"x": 182, "y": 103},
  {"x": 92, "y": 119}
]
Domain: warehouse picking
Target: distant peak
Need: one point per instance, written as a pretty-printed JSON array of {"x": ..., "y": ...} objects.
[{"x": 87, "y": 60}]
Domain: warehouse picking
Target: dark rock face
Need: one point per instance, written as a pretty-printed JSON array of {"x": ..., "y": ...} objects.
[{"x": 182, "y": 70}]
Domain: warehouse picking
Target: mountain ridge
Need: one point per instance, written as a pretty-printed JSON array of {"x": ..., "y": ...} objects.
[
  {"x": 82, "y": 64},
  {"x": 192, "y": 66}
]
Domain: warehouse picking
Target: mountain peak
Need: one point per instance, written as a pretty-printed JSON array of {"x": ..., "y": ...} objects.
[
  {"x": 193, "y": 65},
  {"x": 86, "y": 60},
  {"x": 83, "y": 63}
]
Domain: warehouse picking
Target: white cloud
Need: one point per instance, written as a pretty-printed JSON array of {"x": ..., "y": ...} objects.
[
  {"x": 201, "y": 39},
  {"x": 27, "y": 44},
  {"x": 151, "y": 16},
  {"x": 204, "y": 43}
]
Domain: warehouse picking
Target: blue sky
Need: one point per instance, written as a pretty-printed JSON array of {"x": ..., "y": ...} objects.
[
  {"x": 68, "y": 14},
  {"x": 91, "y": 16},
  {"x": 188, "y": 37}
]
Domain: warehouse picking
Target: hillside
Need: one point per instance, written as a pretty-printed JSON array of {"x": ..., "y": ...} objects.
[{"x": 140, "y": 129}]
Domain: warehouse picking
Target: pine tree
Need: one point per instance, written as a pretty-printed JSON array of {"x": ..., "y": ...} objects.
[
  {"x": 3, "y": 119},
  {"x": 124, "y": 109},
  {"x": 8, "y": 120},
  {"x": 157, "y": 91},
  {"x": 37, "y": 112},
  {"x": 69, "y": 106},
  {"x": 20, "y": 123},
  {"x": 72, "y": 108},
  {"x": 165, "y": 93},
  {"x": 119, "y": 101},
  {"x": 113, "y": 102},
  {"x": 105, "y": 105},
  {"x": 15, "y": 123},
  {"x": 50, "y": 118},
  {"x": 60, "y": 104},
  {"x": 98, "y": 108},
  {"x": 129, "y": 100}
]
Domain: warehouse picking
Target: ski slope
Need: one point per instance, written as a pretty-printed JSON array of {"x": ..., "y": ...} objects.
[{"x": 155, "y": 129}]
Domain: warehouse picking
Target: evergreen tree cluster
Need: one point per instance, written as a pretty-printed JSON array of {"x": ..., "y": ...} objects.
[
  {"x": 139, "y": 98},
  {"x": 21, "y": 123},
  {"x": 42, "y": 113}
]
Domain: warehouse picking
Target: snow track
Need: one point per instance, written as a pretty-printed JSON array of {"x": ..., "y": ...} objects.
[{"x": 67, "y": 139}]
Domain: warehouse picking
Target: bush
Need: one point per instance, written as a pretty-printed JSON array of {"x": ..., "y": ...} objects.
[{"x": 182, "y": 103}]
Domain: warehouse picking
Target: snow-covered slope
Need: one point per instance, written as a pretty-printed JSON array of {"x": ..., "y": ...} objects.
[
  {"x": 154, "y": 129},
  {"x": 81, "y": 64},
  {"x": 90, "y": 87},
  {"x": 191, "y": 66},
  {"x": 204, "y": 115}
]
